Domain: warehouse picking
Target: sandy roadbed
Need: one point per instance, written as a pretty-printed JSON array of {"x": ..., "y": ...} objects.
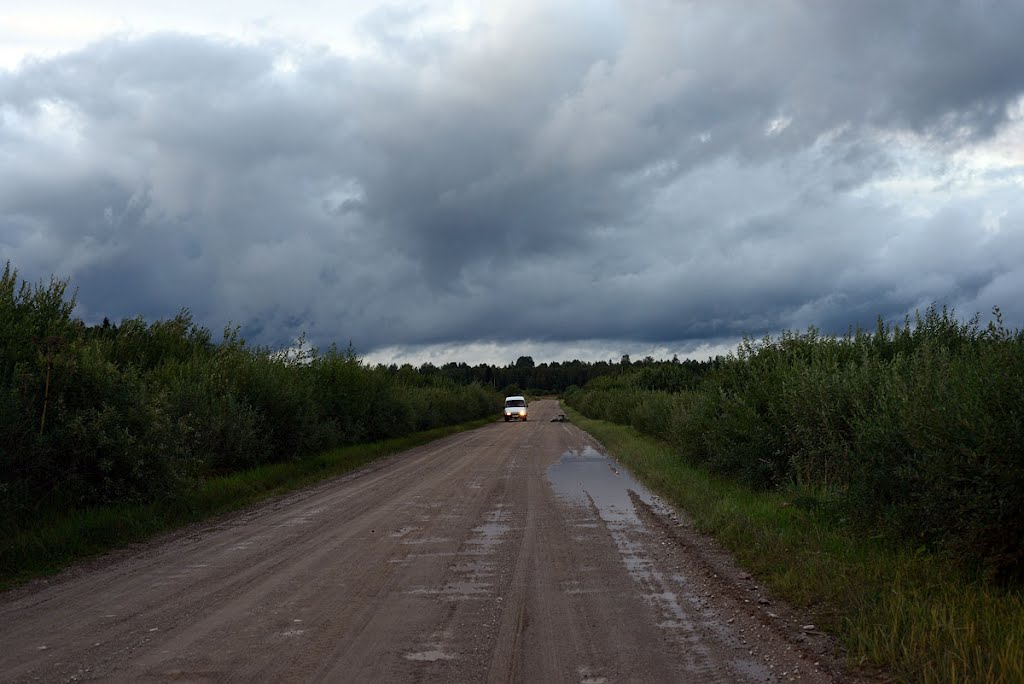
[{"x": 515, "y": 552}]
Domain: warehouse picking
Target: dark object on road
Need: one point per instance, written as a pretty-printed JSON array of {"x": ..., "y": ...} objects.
[{"x": 560, "y": 418}]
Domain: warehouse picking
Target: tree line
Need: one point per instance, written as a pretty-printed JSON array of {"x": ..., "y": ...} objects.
[
  {"x": 136, "y": 411},
  {"x": 558, "y": 377}
]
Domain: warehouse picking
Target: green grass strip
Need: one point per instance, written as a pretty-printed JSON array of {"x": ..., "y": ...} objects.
[
  {"x": 909, "y": 614},
  {"x": 56, "y": 542}
]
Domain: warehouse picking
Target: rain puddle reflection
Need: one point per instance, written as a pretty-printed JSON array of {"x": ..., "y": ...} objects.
[
  {"x": 579, "y": 474},
  {"x": 590, "y": 476}
]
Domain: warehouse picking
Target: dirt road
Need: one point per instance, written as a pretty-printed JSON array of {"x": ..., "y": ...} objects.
[{"x": 516, "y": 552}]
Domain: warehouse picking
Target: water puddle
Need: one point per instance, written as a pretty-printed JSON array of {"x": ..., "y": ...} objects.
[
  {"x": 429, "y": 656},
  {"x": 579, "y": 475},
  {"x": 457, "y": 590},
  {"x": 488, "y": 536},
  {"x": 413, "y": 557},
  {"x": 588, "y": 476},
  {"x": 426, "y": 540}
]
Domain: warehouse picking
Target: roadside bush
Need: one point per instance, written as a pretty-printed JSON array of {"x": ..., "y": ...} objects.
[
  {"x": 941, "y": 456},
  {"x": 216, "y": 429},
  {"x": 652, "y": 413},
  {"x": 137, "y": 411},
  {"x": 146, "y": 346},
  {"x": 109, "y": 437},
  {"x": 282, "y": 393},
  {"x": 447, "y": 405},
  {"x": 913, "y": 431}
]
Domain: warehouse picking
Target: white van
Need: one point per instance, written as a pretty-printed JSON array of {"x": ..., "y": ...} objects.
[{"x": 515, "y": 408}]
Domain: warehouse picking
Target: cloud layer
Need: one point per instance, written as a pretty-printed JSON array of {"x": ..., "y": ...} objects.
[{"x": 655, "y": 173}]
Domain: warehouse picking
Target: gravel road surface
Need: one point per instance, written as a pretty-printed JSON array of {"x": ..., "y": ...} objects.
[{"x": 515, "y": 552}]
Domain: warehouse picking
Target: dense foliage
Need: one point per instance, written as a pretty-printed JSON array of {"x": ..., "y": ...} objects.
[
  {"x": 914, "y": 431},
  {"x": 132, "y": 412},
  {"x": 526, "y": 376}
]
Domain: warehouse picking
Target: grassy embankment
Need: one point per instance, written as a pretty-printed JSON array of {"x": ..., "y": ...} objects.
[{"x": 63, "y": 537}]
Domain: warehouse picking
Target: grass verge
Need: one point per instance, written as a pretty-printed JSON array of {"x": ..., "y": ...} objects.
[
  {"x": 55, "y": 542},
  {"x": 912, "y": 615}
]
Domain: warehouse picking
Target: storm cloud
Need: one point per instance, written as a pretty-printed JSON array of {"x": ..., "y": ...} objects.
[{"x": 648, "y": 175}]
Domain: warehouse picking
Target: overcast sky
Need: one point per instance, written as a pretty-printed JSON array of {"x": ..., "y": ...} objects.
[{"x": 479, "y": 180}]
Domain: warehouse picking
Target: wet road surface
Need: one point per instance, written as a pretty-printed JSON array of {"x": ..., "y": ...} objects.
[{"x": 515, "y": 552}]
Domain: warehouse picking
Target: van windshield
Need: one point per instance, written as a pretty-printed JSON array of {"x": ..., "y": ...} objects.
[{"x": 515, "y": 402}]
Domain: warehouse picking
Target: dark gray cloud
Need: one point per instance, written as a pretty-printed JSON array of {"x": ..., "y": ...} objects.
[{"x": 648, "y": 172}]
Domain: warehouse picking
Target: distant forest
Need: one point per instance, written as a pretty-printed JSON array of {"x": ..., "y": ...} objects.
[
  {"x": 522, "y": 376},
  {"x": 558, "y": 377}
]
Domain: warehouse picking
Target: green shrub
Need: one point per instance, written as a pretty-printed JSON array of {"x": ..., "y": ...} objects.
[
  {"x": 913, "y": 431},
  {"x": 138, "y": 412},
  {"x": 217, "y": 430},
  {"x": 110, "y": 438}
]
